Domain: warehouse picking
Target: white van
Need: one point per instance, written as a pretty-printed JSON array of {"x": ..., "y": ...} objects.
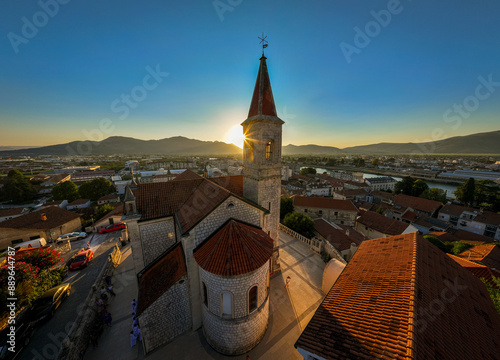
[{"x": 31, "y": 244}]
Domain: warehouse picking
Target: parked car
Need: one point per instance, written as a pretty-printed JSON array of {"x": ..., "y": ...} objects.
[
  {"x": 81, "y": 259},
  {"x": 113, "y": 227},
  {"x": 72, "y": 236},
  {"x": 31, "y": 244},
  {"x": 23, "y": 333},
  {"x": 46, "y": 305}
]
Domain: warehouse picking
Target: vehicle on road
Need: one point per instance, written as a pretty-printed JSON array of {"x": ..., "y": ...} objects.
[
  {"x": 46, "y": 305},
  {"x": 31, "y": 244},
  {"x": 72, "y": 236},
  {"x": 24, "y": 330},
  {"x": 81, "y": 259},
  {"x": 113, "y": 227}
]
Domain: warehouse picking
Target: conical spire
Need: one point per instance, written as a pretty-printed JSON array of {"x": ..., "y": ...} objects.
[{"x": 262, "y": 105}]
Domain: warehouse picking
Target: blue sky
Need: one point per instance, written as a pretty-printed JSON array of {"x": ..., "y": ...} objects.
[{"x": 411, "y": 77}]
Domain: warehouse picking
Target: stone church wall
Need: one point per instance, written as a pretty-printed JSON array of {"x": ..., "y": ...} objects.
[
  {"x": 243, "y": 331},
  {"x": 168, "y": 317},
  {"x": 239, "y": 210},
  {"x": 156, "y": 238}
]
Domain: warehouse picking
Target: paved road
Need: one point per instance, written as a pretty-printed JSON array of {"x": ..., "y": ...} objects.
[{"x": 47, "y": 340}]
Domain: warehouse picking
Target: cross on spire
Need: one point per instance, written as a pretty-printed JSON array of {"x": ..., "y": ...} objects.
[{"x": 264, "y": 42}]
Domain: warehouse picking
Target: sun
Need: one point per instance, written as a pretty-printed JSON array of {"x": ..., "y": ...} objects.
[{"x": 235, "y": 136}]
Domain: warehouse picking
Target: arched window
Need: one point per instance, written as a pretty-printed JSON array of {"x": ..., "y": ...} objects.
[
  {"x": 269, "y": 149},
  {"x": 205, "y": 294},
  {"x": 252, "y": 299},
  {"x": 227, "y": 304}
]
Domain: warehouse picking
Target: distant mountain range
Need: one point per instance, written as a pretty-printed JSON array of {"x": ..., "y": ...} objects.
[
  {"x": 128, "y": 146},
  {"x": 481, "y": 143}
]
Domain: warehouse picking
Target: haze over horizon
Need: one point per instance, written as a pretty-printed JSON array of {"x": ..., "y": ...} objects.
[{"x": 343, "y": 74}]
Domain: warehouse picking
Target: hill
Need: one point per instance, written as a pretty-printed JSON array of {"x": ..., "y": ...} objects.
[
  {"x": 480, "y": 143},
  {"x": 126, "y": 145}
]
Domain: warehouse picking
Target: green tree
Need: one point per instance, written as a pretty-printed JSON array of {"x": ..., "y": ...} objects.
[
  {"x": 494, "y": 291},
  {"x": 103, "y": 210},
  {"x": 466, "y": 192},
  {"x": 65, "y": 191},
  {"x": 435, "y": 194},
  {"x": 380, "y": 210},
  {"x": 375, "y": 162},
  {"x": 487, "y": 194},
  {"x": 434, "y": 240},
  {"x": 419, "y": 186},
  {"x": 331, "y": 162},
  {"x": 404, "y": 186},
  {"x": 358, "y": 162},
  {"x": 300, "y": 223},
  {"x": 286, "y": 207},
  {"x": 307, "y": 171},
  {"x": 17, "y": 188},
  {"x": 95, "y": 189}
]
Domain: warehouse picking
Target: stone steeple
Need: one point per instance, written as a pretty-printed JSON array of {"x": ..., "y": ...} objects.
[
  {"x": 262, "y": 105},
  {"x": 262, "y": 154}
]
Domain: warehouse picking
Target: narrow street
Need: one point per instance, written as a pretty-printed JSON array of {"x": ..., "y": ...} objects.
[{"x": 47, "y": 339}]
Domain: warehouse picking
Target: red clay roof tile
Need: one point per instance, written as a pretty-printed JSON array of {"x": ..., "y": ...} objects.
[
  {"x": 382, "y": 224},
  {"x": 55, "y": 217},
  {"x": 160, "y": 276},
  {"x": 384, "y": 304},
  {"x": 420, "y": 204},
  {"x": 235, "y": 249},
  {"x": 488, "y": 255},
  {"x": 324, "y": 203}
]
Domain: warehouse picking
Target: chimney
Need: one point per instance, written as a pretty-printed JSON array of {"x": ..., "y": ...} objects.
[
  {"x": 347, "y": 232},
  {"x": 43, "y": 217}
]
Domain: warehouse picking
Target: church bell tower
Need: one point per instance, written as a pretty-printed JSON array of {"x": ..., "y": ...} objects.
[{"x": 262, "y": 154}]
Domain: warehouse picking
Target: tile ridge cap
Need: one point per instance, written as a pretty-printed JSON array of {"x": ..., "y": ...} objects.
[{"x": 412, "y": 313}]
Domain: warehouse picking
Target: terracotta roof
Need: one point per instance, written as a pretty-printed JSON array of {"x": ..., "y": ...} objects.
[
  {"x": 488, "y": 217},
  {"x": 262, "y": 99},
  {"x": 424, "y": 205},
  {"x": 479, "y": 270},
  {"x": 353, "y": 234},
  {"x": 462, "y": 235},
  {"x": 55, "y": 217},
  {"x": 454, "y": 209},
  {"x": 488, "y": 255},
  {"x": 187, "y": 175},
  {"x": 191, "y": 200},
  {"x": 410, "y": 215},
  {"x": 11, "y": 211},
  {"x": 233, "y": 183},
  {"x": 338, "y": 238},
  {"x": 235, "y": 249},
  {"x": 429, "y": 222},
  {"x": 79, "y": 202},
  {"x": 160, "y": 276},
  {"x": 57, "y": 178},
  {"x": 382, "y": 224},
  {"x": 383, "y": 306},
  {"x": 324, "y": 203}
]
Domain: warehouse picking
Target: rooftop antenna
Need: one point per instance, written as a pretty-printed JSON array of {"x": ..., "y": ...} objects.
[{"x": 264, "y": 42}]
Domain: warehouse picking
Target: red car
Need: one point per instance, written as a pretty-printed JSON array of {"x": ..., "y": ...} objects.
[
  {"x": 81, "y": 259},
  {"x": 113, "y": 227}
]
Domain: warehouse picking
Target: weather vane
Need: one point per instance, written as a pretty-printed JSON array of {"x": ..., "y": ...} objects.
[{"x": 263, "y": 41}]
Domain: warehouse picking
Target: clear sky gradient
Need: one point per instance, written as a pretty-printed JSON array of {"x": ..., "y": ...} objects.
[{"x": 67, "y": 71}]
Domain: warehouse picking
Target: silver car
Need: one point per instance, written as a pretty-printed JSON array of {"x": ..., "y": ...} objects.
[{"x": 72, "y": 236}]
